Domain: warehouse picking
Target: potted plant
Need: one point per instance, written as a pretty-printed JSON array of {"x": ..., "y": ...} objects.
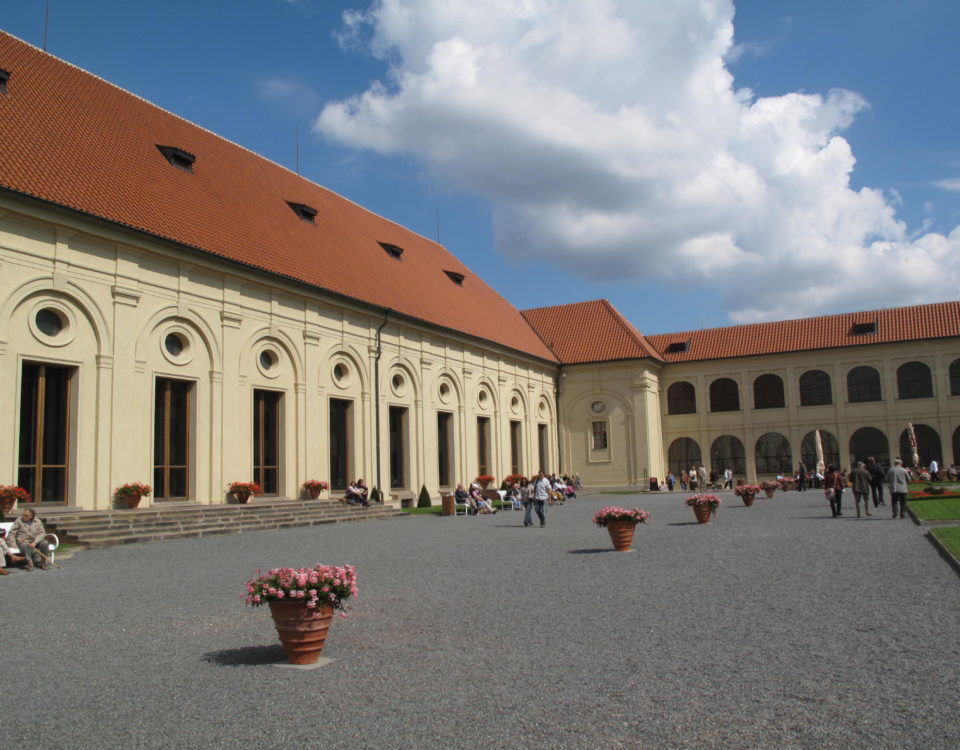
[
  {"x": 484, "y": 480},
  {"x": 621, "y": 524},
  {"x": 786, "y": 483},
  {"x": 703, "y": 506},
  {"x": 243, "y": 491},
  {"x": 10, "y": 494},
  {"x": 313, "y": 487},
  {"x": 770, "y": 487},
  {"x": 747, "y": 493},
  {"x": 302, "y": 602},
  {"x": 132, "y": 493}
]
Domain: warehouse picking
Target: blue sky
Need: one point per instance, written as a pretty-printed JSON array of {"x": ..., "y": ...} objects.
[{"x": 578, "y": 150}]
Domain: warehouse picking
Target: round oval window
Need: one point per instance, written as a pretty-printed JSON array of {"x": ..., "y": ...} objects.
[
  {"x": 173, "y": 344},
  {"x": 267, "y": 359},
  {"x": 339, "y": 372},
  {"x": 49, "y": 322}
]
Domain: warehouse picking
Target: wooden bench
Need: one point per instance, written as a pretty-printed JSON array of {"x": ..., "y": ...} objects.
[{"x": 51, "y": 538}]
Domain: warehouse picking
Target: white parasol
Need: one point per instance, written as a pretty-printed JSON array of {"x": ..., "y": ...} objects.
[
  {"x": 821, "y": 467},
  {"x": 913, "y": 445}
]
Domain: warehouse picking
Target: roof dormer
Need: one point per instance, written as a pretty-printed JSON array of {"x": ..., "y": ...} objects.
[
  {"x": 305, "y": 212},
  {"x": 178, "y": 157}
]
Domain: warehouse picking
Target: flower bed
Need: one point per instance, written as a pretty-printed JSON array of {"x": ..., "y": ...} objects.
[
  {"x": 313, "y": 586},
  {"x": 613, "y": 513},
  {"x": 706, "y": 499}
]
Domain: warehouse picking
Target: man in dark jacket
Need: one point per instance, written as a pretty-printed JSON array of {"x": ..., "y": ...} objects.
[
  {"x": 862, "y": 483},
  {"x": 876, "y": 481}
]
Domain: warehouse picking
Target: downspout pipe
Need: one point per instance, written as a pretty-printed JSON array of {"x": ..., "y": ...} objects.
[
  {"x": 376, "y": 399},
  {"x": 559, "y": 472}
]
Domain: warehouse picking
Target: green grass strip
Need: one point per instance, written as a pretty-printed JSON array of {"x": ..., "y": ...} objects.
[
  {"x": 940, "y": 509},
  {"x": 949, "y": 537}
]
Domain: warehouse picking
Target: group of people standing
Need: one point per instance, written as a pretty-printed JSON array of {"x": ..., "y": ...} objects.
[
  {"x": 697, "y": 477},
  {"x": 866, "y": 481},
  {"x": 530, "y": 495}
]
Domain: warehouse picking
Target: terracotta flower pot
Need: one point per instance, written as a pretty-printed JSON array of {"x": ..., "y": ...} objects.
[
  {"x": 769, "y": 492},
  {"x": 621, "y": 534},
  {"x": 302, "y": 631},
  {"x": 484, "y": 483},
  {"x": 702, "y": 512},
  {"x": 132, "y": 501},
  {"x": 748, "y": 498},
  {"x": 242, "y": 497},
  {"x": 8, "y": 504},
  {"x": 314, "y": 492}
]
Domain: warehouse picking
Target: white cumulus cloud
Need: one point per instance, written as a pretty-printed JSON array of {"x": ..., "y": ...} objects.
[{"x": 610, "y": 140}]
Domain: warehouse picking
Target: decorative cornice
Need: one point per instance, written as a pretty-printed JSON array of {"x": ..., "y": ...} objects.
[{"x": 125, "y": 295}]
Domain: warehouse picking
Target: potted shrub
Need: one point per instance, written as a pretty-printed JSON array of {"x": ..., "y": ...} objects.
[
  {"x": 747, "y": 493},
  {"x": 770, "y": 487},
  {"x": 313, "y": 487},
  {"x": 10, "y": 494},
  {"x": 243, "y": 491},
  {"x": 132, "y": 493},
  {"x": 621, "y": 524},
  {"x": 703, "y": 506},
  {"x": 302, "y": 602}
]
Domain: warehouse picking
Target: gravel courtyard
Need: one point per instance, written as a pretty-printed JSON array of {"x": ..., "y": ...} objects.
[{"x": 774, "y": 626}]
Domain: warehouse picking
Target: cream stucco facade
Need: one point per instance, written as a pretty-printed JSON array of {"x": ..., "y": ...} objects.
[{"x": 117, "y": 314}]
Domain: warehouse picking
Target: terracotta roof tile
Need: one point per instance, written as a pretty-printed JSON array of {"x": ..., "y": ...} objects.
[
  {"x": 75, "y": 140},
  {"x": 589, "y": 332},
  {"x": 940, "y": 320}
]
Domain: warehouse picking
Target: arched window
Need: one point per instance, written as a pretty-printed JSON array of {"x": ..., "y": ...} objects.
[
  {"x": 768, "y": 392},
  {"x": 928, "y": 446},
  {"x": 831, "y": 450},
  {"x": 727, "y": 452},
  {"x": 914, "y": 381},
  {"x": 956, "y": 447},
  {"x": 773, "y": 455},
  {"x": 863, "y": 384},
  {"x": 815, "y": 388},
  {"x": 955, "y": 378},
  {"x": 683, "y": 454},
  {"x": 867, "y": 442},
  {"x": 724, "y": 395},
  {"x": 681, "y": 398}
]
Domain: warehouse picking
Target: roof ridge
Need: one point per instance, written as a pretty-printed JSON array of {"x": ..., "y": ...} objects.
[{"x": 631, "y": 330}]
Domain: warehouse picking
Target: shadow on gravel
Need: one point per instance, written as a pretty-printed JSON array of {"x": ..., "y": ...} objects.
[
  {"x": 590, "y": 551},
  {"x": 687, "y": 523},
  {"x": 247, "y": 656}
]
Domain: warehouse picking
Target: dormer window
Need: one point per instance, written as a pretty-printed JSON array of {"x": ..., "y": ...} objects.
[
  {"x": 178, "y": 157},
  {"x": 678, "y": 347},
  {"x": 4, "y": 77},
  {"x": 456, "y": 278},
  {"x": 393, "y": 251},
  {"x": 862, "y": 329},
  {"x": 305, "y": 212}
]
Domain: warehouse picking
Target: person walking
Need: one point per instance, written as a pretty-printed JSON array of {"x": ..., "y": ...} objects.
[
  {"x": 898, "y": 478},
  {"x": 833, "y": 489},
  {"x": 728, "y": 478},
  {"x": 541, "y": 493},
  {"x": 802, "y": 477},
  {"x": 876, "y": 481},
  {"x": 861, "y": 480}
]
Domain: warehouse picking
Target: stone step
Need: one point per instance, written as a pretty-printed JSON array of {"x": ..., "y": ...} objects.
[{"x": 126, "y": 526}]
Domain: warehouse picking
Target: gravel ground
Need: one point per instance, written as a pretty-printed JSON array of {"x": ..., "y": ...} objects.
[{"x": 774, "y": 626}]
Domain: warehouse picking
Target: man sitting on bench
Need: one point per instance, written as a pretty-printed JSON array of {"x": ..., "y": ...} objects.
[{"x": 28, "y": 534}]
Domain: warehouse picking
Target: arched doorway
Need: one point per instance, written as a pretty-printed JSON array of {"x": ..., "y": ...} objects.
[
  {"x": 727, "y": 453},
  {"x": 867, "y": 442},
  {"x": 683, "y": 454},
  {"x": 831, "y": 449},
  {"x": 928, "y": 446}
]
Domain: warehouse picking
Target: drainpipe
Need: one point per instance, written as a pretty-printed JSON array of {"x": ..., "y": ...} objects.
[
  {"x": 376, "y": 401},
  {"x": 560, "y": 374}
]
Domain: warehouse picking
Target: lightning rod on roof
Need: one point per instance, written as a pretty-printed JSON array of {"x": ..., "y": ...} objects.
[
  {"x": 298, "y": 150},
  {"x": 438, "y": 225},
  {"x": 46, "y": 22}
]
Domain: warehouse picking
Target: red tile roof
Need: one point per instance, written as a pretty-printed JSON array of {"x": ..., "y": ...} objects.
[
  {"x": 77, "y": 141},
  {"x": 941, "y": 320},
  {"x": 589, "y": 332}
]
